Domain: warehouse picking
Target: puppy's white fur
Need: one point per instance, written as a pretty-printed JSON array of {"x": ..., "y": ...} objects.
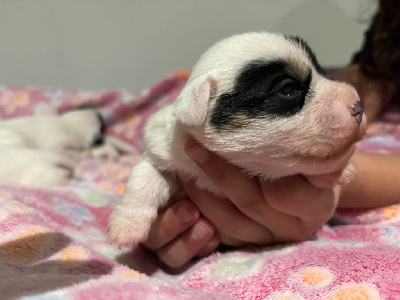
[
  {"x": 36, "y": 151},
  {"x": 74, "y": 130},
  {"x": 42, "y": 151},
  {"x": 316, "y": 142},
  {"x": 34, "y": 167}
]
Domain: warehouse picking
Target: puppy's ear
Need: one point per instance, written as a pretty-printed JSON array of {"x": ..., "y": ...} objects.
[{"x": 191, "y": 105}]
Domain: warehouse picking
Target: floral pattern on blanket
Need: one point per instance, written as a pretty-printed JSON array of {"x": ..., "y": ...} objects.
[{"x": 54, "y": 242}]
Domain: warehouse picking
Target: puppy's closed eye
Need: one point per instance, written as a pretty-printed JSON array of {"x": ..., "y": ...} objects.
[{"x": 288, "y": 88}]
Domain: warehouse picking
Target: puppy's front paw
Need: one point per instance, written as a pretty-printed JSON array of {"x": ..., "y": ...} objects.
[
  {"x": 129, "y": 228},
  {"x": 35, "y": 167},
  {"x": 147, "y": 189}
]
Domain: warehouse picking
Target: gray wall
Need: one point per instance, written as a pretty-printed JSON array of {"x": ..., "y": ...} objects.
[{"x": 101, "y": 44}]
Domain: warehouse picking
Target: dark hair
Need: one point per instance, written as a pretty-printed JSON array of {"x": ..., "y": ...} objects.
[{"x": 380, "y": 53}]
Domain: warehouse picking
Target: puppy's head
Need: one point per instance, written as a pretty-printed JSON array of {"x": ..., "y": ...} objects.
[
  {"x": 263, "y": 102},
  {"x": 86, "y": 125}
]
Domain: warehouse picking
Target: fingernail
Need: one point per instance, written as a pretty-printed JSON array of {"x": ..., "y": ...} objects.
[
  {"x": 196, "y": 152},
  {"x": 184, "y": 214},
  {"x": 199, "y": 231},
  {"x": 212, "y": 243}
]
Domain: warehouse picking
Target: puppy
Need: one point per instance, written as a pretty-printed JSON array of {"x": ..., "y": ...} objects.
[
  {"x": 40, "y": 151},
  {"x": 75, "y": 130},
  {"x": 262, "y": 102}
]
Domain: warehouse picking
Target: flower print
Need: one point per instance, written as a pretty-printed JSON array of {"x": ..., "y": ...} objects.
[
  {"x": 86, "y": 100},
  {"x": 73, "y": 253},
  {"x": 74, "y": 213},
  {"x": 80, "y": 214},
  {"x": 316, "y": 276},
  {"x": 128, "y": 127},
  {"x": 11, "y": 100},
  {"x": 391, "y": 213},
  {"x": 355, "y": 291},
  {"x": 31, "y": 245}
]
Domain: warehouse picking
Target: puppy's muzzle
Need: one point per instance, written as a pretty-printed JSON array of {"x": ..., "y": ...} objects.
[{"x": 357, "y": 111}]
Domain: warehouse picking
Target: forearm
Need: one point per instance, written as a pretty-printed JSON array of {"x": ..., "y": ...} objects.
[{"x": 377, "y": 182}]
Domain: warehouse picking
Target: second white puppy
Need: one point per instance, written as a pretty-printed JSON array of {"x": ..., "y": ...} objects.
[
  {"x": 39, "y": 151},
  {"x": 262, "y": 102}
]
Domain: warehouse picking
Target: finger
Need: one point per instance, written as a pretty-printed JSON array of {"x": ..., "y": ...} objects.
[
  {"x": 171, "y": 223},
  {"x": 187, "y": 245},
  {"x": 227, "y": 217},
  {"x": 227, "y": 177},
  {"x": 210, "y": 246},
  {"x": 232, "y": 242},
  {"x": 245, "y": 192},
  {"x": 295, "y": 196}
]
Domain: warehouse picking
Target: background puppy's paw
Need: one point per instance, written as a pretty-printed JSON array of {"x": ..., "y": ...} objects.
[
  {"x": 60, "y": 170},
  {"x": 35, "y": 167},
  {"x": 52, "y": 178},
  {"x": 105, "y": 152},
  {"x": 53, "y": 171},
  {"x": 112, "y": 149}
]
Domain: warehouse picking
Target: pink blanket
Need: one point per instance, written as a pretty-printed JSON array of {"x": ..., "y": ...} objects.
[{"x": 54, "y": 244}]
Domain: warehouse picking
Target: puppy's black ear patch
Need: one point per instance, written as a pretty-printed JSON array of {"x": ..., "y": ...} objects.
[
  {"x": 310, "y": 53},
  {"x": 103, "y": 124},
  {"x": 262, "y": 89},
  {"x": 98, "y": 139}
]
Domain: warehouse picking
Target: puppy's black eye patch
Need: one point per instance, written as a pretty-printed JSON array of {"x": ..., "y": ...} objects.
[
  {"x": 288, "y": 88},
  {"x": 261, "y": 89},
  {"x": 286, "y": 98}
]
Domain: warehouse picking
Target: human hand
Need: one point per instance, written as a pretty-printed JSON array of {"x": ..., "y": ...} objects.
[
  {"x": 258, "y": 212},
  {"x": 286, "y": 210},
  {"x": 180, "y": 233}
]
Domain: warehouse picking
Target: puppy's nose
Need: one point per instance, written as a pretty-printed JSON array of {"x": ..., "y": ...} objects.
[{"x": 357, "y": 110}]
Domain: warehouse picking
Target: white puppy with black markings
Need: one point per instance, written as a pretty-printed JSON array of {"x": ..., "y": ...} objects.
[{"x": 262, "y": 102}]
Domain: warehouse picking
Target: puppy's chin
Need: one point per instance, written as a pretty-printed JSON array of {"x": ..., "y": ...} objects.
[
  {"x": 330, "y": 147},
  {"x": 314, "y": 165},
  {"x": 269, "y": 166},
  {"x": 329, "y": 154}
]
